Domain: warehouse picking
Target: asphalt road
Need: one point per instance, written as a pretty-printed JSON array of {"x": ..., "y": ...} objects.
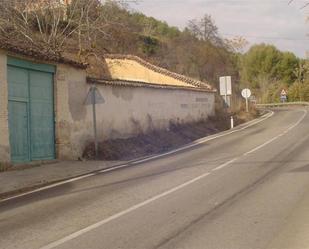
[{"x": 240, "y": 191}]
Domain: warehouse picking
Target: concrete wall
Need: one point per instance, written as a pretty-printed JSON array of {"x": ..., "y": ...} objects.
[
  {"x": 127, "y": 111},
  {"x": 126, "y": 69},
  {"x": 70, "y": 111},
  {"x": 4, "y": 127}
]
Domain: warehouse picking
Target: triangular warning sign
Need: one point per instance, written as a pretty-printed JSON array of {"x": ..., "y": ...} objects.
[
  {"x": 94, "y": 97},
  {"x": 283, "y": 92}
]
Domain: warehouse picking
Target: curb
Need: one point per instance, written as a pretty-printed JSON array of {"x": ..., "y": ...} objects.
[
  {"x": 303, "y": 103},
  {"x": 6, "y": 196}
]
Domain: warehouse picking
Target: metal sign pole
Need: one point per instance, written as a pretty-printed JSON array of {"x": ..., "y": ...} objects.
[
  {"x": 225, "y": 96},
  {"x": 94, "y": 123},
  {"x": 94, "y": 97},
  {"x": 246, "y": 93},
  {"x": 247, "y": 105}
]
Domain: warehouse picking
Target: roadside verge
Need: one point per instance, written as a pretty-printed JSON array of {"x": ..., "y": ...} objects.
[{"x": 41, "y": 178}]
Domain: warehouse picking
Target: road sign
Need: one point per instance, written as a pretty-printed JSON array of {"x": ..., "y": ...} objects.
[
  {"x": 94, "y": 96},
  {"x": 226, "y": 89},
  {"x": 225, "y": 85},
  {"x": 246, "y": 93},
  {"x": 283, "y": 92}
]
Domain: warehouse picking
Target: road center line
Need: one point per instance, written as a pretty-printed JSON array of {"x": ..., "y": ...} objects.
[
  {"x": 225, "y": 164},
  {"x": 278, "y": 136},
  {"x": 118, "y": 215},
  {"x": 157, "y": 197}
]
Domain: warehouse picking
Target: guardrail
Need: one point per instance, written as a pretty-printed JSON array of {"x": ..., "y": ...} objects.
[{"x": 283, "y": 104}]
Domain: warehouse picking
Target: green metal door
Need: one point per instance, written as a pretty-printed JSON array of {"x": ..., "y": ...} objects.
[
  {"x": 19, "y": 114},
  {"x": 18, "y": 121},
  {"x": 42, "y": 115},
  {"x": 31, "y": 112}
]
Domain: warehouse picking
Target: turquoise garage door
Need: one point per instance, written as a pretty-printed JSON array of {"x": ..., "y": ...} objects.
[{"x": 31, "y": 111}]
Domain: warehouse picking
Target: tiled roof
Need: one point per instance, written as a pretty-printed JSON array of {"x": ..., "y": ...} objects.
[
  {"x": 21, "y": 49},
  {"x": 157, "y": 69},
  {"x": 128, "y": 83}
]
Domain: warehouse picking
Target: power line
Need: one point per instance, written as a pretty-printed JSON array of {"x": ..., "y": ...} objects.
[
  {"x": 303, "y": 7},
  {"x": 267, "y": 37},
  {"x": 307, "y": 4}
]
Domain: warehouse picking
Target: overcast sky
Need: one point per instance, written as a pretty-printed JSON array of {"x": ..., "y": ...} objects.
[{"x": 269, "y": 21}]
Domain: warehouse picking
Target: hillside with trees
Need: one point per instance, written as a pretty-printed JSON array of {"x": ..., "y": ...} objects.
[
  {"x": 267, "y": 71},
  {"x": 88, "y": 29}
]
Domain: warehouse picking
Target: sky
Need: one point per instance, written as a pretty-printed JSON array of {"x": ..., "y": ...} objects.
[{"x": 259, "y": 21}]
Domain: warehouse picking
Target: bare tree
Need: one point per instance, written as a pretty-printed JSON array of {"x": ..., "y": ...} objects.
[
  {"x": 205, "y": 29},
  {"x": 53, "y": 25}
]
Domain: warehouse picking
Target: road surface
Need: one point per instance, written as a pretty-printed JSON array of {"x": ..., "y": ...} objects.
[{"x": 244, "y": 190}]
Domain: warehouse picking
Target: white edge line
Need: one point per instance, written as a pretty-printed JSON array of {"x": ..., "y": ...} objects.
[
  {"x": 48, "y": 187},
  {"x": 198, "y": 142},
  {"x": 201, "y": 141}
]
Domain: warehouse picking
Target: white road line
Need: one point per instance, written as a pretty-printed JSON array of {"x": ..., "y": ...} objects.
[
  {"x": 142, "y": 204},
  {"x": 200, "y": 141},
  {"x": 113, "y": 168},
  {"x": 225, "y": 164},
  {"x": 278, "y": 136},
  {"x": 207, "y": 139},
  {"x": 48, "y": 187},
  {"x": 118, "y": 215},
  {"x": 261, "y": 146}
]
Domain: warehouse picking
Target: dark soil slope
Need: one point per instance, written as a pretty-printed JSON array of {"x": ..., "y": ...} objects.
[{"x": 159, "y": 141}]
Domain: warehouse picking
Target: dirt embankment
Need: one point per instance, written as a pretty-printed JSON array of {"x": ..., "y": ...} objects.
[{"x": 159, "y": 141}]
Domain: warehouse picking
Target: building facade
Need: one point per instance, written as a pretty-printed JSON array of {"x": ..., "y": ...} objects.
[{"x": 43, "y": 114}]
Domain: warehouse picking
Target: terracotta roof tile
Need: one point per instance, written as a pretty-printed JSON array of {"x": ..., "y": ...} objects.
[{"x": 127, "y": 83}]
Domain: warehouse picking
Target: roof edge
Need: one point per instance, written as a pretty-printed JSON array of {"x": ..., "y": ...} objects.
[
  {"x": 128, "y": 83},
  {"x": 39, "y": 55}
]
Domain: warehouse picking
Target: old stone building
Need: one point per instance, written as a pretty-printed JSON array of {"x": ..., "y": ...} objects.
[{"x": 43, "y": 115}]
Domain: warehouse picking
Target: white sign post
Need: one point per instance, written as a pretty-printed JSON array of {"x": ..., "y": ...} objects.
[
  {"x": 246, "y": 93},
  {"x": 226, "y": 88},
  {"x": 283, "y": 96},
  {"x": 94, "y": 97}
]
